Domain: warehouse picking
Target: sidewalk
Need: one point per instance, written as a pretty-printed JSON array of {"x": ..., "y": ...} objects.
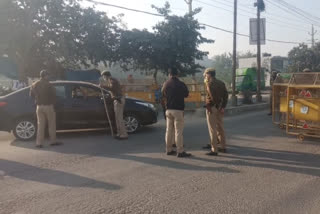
[{"x": 230, "y": 110}]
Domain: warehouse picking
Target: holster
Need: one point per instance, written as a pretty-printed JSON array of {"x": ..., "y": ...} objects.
[{"x": 117, "y": 99}]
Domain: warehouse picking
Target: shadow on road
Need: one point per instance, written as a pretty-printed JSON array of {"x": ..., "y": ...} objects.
[
  {"x": 297, "y": 162},
  {"x": 49, "y": 176},
  {"x": 240, "y": 131},
  {"x": 173, "y": 164},
  {"x": 115, "y": 149}
]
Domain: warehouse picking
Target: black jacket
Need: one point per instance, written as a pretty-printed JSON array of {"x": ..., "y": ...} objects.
[{"x": 173, "y": 93}]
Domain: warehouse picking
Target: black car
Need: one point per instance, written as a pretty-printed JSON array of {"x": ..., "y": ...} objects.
[{"x": 79, "y": 106}]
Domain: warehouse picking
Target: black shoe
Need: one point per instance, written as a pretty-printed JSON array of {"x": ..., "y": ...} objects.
[
  {"x": 183, "y": 155},
  {"x": 121, "y": 138},
  {"x": 172, "y": 153},
  {"x": 212, "y": 153},
  {"x": 222, "y": 150},
  {"x": 208, "y": 146},
  {"x": 174, "y": 145},
  {"x": 56, "y": 144}
]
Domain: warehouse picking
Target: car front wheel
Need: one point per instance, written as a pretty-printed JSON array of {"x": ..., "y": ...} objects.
[
  {"x": 25, "y": 129},
  {"x": 132, "y": 123}
]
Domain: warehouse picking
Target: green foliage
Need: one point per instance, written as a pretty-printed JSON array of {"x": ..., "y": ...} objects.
[
  {"x": 174, "y": 42},
  {"x": 247, "y": 54},
  {"x": 58, "y": 34},
  {"x": 302, "y": 57},
  {"x": 223, "y": 65},
  {"x": 53, "y": 34}
]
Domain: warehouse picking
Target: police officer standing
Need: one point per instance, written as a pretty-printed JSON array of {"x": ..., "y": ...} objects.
[
  {"x": 173, "y": 92},
  {"x": 45, "y": 97},
  {"x": 272, "y": 79},
  {"x": 114, "y": 87},
  {"x": 216, "y": 101}
]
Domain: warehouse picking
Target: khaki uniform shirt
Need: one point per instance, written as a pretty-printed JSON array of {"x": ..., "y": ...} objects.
[
  {"x": 113, "y": 86},
  {"x": 217, "y": 94},
  {"x": 43, "y": 92}
]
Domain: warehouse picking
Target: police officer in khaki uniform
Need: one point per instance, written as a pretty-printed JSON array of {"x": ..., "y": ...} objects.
[
  {"x": 45, "y": 97},
  {"x": 216, "y": 102},
  {"x": 273, "y": 77},
  {"x": 114, "y": 87}
]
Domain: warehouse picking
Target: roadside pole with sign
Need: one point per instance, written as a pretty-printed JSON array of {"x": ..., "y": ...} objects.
[{"x": 258, "y": 39}]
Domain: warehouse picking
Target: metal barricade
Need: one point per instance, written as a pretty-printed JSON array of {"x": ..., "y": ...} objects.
[
  {"x": 149, "y": 91},
  {"x": 279, "y": 99},
  {"x": 303, "y": 105}
]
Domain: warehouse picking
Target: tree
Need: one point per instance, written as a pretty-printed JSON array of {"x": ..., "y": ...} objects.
[
  {"x": 247, "y": 54},
  {"x": 53, "y": 34},
  {"x": 223, "y": 65},
  {"x": 302, "y": 57},
  {"x": 174, "y": 42}
]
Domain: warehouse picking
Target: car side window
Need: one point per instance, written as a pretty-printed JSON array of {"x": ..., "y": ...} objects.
[
  {"x": 60, "y": 91},
  {"x": 83, "y": 92}
]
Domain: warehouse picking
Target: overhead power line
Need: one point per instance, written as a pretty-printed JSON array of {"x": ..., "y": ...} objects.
[
  {"x": 245, "y": 35},
  {"x": 224, "y": 30},
  {"x": 298, "y": 10},
  {"x": 203, "y": 24},
  {"x": 293, "y": 12},
  {"x": 231, "y": 5},
  {"x": 125, "y": 8},
  {"x": 274, "y": 15},
  {"x": 276, "y": 21}
]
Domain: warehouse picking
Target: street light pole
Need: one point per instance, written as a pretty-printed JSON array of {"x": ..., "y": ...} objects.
[
  {"x": 258, "y": 96},
  {"x": 189, "y": 2},
  {"x": 234, "y": 61}
]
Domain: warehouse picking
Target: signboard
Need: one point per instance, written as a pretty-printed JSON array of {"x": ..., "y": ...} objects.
[{"x": 254, "y": 31}]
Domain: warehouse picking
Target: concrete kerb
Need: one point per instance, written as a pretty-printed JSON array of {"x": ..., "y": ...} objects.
[{"x": 230, "y": 110}]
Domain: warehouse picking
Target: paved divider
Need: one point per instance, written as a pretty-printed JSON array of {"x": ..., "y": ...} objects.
[{"x": 230, "y": 110}]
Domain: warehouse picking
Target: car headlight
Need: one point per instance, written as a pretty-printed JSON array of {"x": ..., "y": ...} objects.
[{"x": 149, "y": 105}]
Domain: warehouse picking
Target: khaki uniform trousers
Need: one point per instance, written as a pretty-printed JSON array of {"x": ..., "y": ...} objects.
[
  {"x": 174, "y": 132},
  {"x": 46, "y": 114},
  {"x": 215, "y": 126},
  {"x": 118, "y": 110}
]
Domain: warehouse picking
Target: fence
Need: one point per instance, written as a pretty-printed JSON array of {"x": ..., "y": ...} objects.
[
  {"x": 149, "y": 91},
  {"x": 296, "y": 101}
]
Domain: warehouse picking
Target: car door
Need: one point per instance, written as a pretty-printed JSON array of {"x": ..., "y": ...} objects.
[
  {"x": 61, "y": 98},
  {"x": 85, "y": 108}
]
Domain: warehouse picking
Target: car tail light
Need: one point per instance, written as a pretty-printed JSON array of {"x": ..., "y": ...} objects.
[{"x": 3, "y": 104}]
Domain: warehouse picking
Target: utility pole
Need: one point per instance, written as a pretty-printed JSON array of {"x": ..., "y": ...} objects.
[
  {"x": 234, "y": 61},
  {"x": 258, "y": 96},
  {"x": 312, "y": 34},
  {"x": 189, "y": 2}
]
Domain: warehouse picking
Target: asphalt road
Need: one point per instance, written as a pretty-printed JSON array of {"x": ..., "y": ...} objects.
[{"x": 264, "y": 172}]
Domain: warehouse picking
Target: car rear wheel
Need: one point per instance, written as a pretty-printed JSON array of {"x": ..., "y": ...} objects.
[
  {"x": 132, "y": 123},
  {"x": 25, "y": 129}
]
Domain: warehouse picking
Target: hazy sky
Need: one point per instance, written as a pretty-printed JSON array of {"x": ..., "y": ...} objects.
[{"x": 281, "y": 25}]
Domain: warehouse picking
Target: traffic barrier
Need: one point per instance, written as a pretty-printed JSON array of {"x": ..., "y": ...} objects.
[
  {"x": 149, "y": 91},
  {"x": 296, "y": 104},
  {"x": 279, "y": 99},
  {"x": 303, "y": 105}
]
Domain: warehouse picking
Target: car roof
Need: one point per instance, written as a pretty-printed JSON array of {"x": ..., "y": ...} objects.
[
  {"x": 54, "y": 82},
  {"x": 73, "y": 82}
]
